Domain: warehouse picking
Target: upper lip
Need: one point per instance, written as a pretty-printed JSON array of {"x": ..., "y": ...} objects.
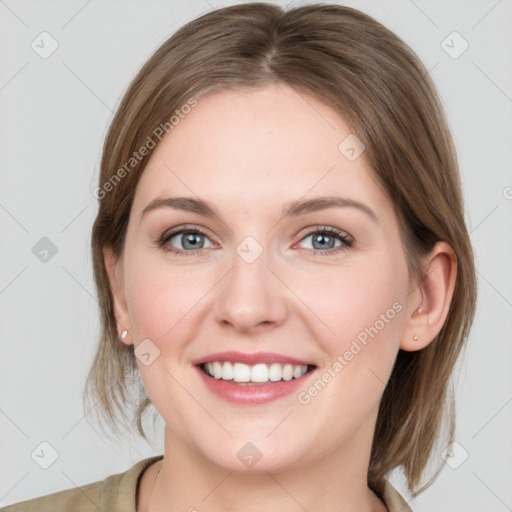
[{"x": 250, "y": 359}]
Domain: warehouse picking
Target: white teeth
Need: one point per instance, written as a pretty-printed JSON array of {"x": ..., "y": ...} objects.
[
  {"x": 297, "y": 372},
  {"x": 217, "y": 370},
  {"x": 240, "y": 372},
  {"x": 276, "y": 372},
  {"x": 259, "y": 373},
  {"x": 227, "y": 371},
  {"x": 288, "y": 372}
]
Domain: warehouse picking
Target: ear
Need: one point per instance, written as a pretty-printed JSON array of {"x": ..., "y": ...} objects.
[
  {"x": 430, "y": 299},
  {"x": 115, "y": 275}
]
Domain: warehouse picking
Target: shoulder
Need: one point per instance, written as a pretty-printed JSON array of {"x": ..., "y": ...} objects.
[
  {"x": 115, "y": 493},
  {"x": 80, "y": 499},
  {"x": 393, "y": 500}
]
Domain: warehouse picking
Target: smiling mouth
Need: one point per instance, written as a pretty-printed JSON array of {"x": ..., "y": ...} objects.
[{"x": 260, "y": 373}]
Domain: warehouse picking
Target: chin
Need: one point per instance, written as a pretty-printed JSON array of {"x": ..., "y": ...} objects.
[{"x": 257, "y": 456}]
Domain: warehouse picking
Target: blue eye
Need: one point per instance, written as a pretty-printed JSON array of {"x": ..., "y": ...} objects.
[
  {"x": 325, "y": 239},
  {"x": 193, "y": 239}
]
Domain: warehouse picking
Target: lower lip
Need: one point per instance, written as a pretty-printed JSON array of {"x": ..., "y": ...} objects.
[{"x": 251, "y": 394}]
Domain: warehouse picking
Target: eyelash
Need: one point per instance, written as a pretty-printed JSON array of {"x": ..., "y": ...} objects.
[{"x": 347, "y": 242}]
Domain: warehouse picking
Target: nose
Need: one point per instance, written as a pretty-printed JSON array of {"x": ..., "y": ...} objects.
[{"x": 251, "y": 297}]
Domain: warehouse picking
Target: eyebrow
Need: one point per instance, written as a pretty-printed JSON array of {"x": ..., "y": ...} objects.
[{"x": 291, "y": 209}]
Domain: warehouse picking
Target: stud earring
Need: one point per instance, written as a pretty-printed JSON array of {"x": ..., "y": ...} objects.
[
  {"x": 124, "y": 334},
  {"x": 415, "y": 338}
]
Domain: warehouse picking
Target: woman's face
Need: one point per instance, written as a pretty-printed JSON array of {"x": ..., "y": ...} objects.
[{"x": 322, "y": 287}]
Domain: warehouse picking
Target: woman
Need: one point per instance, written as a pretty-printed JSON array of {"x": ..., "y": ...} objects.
[{"x": 280, "y": 253}]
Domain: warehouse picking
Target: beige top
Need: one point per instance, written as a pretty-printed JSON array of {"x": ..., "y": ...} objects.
[{"x": 117, "y": 493}]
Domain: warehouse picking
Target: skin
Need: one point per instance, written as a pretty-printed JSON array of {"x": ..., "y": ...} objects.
[{"x": 249, "y": 152}]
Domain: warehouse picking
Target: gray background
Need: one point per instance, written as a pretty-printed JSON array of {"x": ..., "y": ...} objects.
[{"x": 54, "y": 115}]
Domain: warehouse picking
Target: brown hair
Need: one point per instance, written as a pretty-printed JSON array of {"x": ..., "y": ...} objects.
[{"x": 373, "y": 79}]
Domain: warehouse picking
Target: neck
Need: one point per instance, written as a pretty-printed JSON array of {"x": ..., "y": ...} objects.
[{"x": 336, "y": 481}]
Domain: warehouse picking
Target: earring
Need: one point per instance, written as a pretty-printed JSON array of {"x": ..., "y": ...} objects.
[
  {"x": 123, "y": 334},
  {"x": 415, "y": 338}
]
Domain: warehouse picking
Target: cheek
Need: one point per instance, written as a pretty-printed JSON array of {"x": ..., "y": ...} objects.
[
  {"x": 160, "y": 297},
  {"x": 161, "y": 305},
  {"x": 361, "y": 309},
  {"x": 362, "y": 317},
  {"x": 153, "y": 303},
  {"x": 356, "y": 300}
]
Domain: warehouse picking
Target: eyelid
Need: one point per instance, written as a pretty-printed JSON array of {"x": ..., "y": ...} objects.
[
  {"x": 346, "y": 239},
  {"x": 177, "y": 230},
  {"x": 309, "y": 230}
]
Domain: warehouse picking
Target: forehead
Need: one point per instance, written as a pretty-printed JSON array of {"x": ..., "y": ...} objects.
[{"x": 247, "y": 147}]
